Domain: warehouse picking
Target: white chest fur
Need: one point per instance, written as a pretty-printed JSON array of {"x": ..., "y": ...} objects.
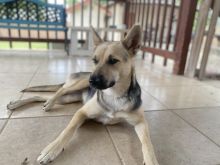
[{"x": 114, "y": 103}]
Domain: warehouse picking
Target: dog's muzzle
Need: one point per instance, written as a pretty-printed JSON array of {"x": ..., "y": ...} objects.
[{"x": 99, "y": 82}]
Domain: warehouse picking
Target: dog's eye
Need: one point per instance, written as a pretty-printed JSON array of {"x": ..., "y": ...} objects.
[
  {"x": 95, "y": 61},
  {"x": 112, "y": 61}
]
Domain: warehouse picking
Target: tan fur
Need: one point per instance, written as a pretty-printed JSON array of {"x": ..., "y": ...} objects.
[{"x": 121, "y": 73}]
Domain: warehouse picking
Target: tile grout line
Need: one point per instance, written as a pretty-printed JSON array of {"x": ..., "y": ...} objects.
[
  {"x": 190, "y": 124},
  {"x": 115, "y": 147},
  {"x": 30, "y": 117},
  {"x": 156, "y": 99},
  {"x": 9, "y": 117}
]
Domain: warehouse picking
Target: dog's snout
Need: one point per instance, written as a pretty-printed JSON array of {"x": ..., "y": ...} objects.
[{"x": 96, "y": 79}]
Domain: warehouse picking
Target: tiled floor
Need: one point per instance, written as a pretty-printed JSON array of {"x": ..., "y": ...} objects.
[{"x": 183, "y": 114}]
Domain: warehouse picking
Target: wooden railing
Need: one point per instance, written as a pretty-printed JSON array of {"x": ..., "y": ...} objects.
[
  {"x": 167, "y": 24},
  {"x": 167, "y": 28}
]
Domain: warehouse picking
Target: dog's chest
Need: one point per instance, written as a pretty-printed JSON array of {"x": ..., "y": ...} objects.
[
  {"x": 108, "y": 118},
  {"x": 114, "y": 104}
]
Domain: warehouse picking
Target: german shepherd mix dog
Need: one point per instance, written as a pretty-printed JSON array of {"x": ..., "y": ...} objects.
[{"x": 110, "y": 94}]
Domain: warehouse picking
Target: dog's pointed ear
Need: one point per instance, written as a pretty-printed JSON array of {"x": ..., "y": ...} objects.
[
  {"x": 132, "y": 40},
  {"x": 96, "y": 38}
]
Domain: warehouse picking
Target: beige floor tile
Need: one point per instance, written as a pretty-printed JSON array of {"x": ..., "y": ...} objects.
[
  {"x": 14, "y": 80},
  {"x": 8, "y": 94},
  {"x": 23, "y": 138},
  {"x": 48, "y": 79},
  {"x": 175, "y": 142},
  {"x": 4, "y": 113},
  {"x": 186, "y": 96},
  {"x": 36, "y": 109},
  {"x": 19, "y": 63},
  {"x": 214, "y": 83},
  {"x": 155, "y": 79},
  {"x": 204, "y": 119},
  {"x": 58, "y": 65},
  {"x": 150, "y": 103},
  {"x": 1, "y": 123}
]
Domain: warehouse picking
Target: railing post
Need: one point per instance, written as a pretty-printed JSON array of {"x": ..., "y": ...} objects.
[{"x": 185, "y": 25}]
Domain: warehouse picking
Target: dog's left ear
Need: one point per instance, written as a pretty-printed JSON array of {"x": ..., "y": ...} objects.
[
  {"x": 96, "y": 38},
  {"x": 132, "y": 40}
]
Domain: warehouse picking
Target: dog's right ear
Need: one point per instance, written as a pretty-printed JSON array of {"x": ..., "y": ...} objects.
[
  {"x": 96, "y": 38},
  {"x": 132, "y": 40}
]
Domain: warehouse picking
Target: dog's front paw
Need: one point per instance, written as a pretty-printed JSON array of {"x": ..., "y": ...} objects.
[
  {"x": 50, "y": 153},
  {"x": 48, "y": 105},
  {"x": 13, "y": 105}
]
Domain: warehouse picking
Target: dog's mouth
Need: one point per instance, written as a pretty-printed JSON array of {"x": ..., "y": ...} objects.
[{"x": 100, "y": 84}]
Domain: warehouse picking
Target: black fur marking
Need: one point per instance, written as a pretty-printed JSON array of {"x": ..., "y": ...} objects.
[
  {"x": 91, "y": 91},
  {"x": 134, "y": 93}
]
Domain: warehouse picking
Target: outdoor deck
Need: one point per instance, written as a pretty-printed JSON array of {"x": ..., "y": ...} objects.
[{"x": 183, "y": 115}]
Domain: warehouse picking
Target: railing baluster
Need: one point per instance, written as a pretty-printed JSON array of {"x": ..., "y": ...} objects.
[
  {"x": 18, "y": 17},
  {"x": 177, "y": 28},
  {"x": 157, "y": 22},
  {"x": 9, "y": 30},
  {"x": 113, "y": 21},
  {"x": 56, "y": 19},
  {"x": 157, "y": 25},
  {"x": 82, "y": 17},
  {"x": 73, "y": 13},
  {"x": 106, "y": 20},
  {"x": 143, "y": 14},
  {"x": 163, "y": 24},
  {"x": 90, "y": 12},
  {"x": 152, "y": 22},
  {"x": 139, "y": 10},
  {"x": 132, "y": 14},
  {"x": 146, "y": 25},
  {"x": 135, "y": 12},
  {"x": 127, "y": 15},
  {"x": 38, "y": 33},
  {"x": 29, "y": 43},
  {"x": 98, "y": 23},
  {"x": 169, "y": 30},
  {"x": 47, "y": 25}
]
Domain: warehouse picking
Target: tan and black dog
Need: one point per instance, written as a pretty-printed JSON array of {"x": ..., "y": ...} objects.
[{"x": 110, "y": 94}]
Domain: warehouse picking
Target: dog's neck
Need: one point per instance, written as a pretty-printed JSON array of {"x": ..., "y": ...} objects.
[{"x": 124, "y": 95}]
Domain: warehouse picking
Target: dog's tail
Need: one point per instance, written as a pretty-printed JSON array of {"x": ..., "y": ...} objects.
[{"x": 43, "y": 88}]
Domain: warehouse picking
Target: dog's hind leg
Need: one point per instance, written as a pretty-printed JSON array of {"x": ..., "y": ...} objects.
[
  {"x": 65, "y": 99},
  {"x": 75, "y": 87},
  {"x": 43, "y": 88},
  {"x": 18, "y": 103}
]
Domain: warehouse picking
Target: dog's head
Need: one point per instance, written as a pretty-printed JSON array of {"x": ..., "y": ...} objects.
[{"x": 113, "y": 60}]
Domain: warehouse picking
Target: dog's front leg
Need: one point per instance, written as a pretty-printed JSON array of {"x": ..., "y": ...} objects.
[
  {"x": 142, "y": 131},
  {"x": 137, "y": 119},
  {"x": 90, "y": 110}
]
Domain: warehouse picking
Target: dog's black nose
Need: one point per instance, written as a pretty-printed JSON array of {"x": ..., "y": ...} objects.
[{"x": 97, "y": 81}]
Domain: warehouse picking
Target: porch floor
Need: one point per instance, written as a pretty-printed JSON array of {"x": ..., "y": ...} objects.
[{"x": 183, "y": 116}]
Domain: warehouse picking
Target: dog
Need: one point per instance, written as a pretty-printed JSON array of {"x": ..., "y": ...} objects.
[{"x": 110, "y": 94}]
